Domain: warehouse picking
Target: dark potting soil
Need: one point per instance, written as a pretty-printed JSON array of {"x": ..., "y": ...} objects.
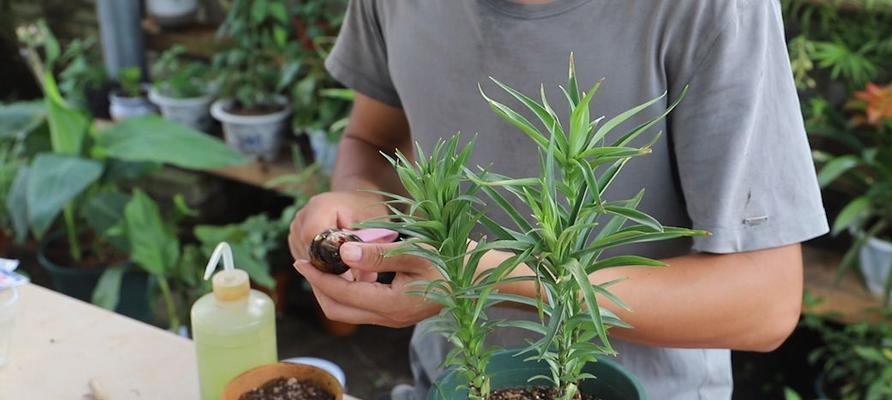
[
  {"x": 288, "y": 389},
  {"x": 532, "y": 393},
  {"x": 60, "y": 254},
  {"x": 239, "y": 110}
]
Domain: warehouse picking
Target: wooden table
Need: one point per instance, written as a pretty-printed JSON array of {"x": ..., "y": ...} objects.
[{"x": 62, "y": 346}]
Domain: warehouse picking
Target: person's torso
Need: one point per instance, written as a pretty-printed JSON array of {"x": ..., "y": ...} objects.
[{"x": 438, "y": 52}]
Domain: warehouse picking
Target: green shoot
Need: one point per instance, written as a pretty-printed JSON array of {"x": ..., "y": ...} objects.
[
  {"x": 573, "y": 223},
  {"x": 438, "y": 218}
]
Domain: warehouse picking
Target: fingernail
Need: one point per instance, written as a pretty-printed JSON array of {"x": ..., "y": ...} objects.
[{"x": 350, "y": 252}]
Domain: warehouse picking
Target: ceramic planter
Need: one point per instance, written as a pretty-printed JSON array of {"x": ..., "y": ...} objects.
[
  {"x": 255, "y": 136},
  {"x": 79, "y": 282},
  {"x": 325, "y": 152},
  {"x": 171, "y": 13},
  {"x": 507, "y": 371},
  {"x": 193, "y": 112},
  {"x": 875, "y": 259},
  {"x": 256, "y": 377},
  {"x": 122, "y": 107}
]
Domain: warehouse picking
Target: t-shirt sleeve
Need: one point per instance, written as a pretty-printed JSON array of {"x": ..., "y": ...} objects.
[
  {"x": 743, "y": 158},
  {"x": 359, "y": 57}
]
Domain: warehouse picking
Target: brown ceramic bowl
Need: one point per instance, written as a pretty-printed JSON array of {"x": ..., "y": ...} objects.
[{"x": 256, "y": 377}]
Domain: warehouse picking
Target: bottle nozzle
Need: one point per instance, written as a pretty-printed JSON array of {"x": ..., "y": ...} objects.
[{"x": 222, "y": 250}]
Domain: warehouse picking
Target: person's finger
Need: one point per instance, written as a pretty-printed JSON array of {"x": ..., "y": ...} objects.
[
  {"x": 370, "y": 296},
  {"x": 338, "y": 312},
  {"x": 373, "y": 257}
]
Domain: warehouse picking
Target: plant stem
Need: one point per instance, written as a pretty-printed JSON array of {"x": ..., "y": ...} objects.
[
  {"x": 74, "y": 246},
  {"x": 168, "y": 301}
]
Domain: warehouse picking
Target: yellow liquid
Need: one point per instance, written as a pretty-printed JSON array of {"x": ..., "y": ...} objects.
[{"x": 231, "y": 338}]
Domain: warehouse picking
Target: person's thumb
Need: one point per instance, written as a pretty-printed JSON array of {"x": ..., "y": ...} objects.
[{"x": 373, "y": 257}]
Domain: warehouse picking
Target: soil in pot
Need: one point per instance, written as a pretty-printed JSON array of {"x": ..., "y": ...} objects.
[
  {"x": 237, "y": 109},
  {"x": 288, "y": 389},
  {"x": 532, "y": 393}
]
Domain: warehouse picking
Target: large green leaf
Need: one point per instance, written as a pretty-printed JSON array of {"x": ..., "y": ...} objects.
[
  {"x": 68, "y": 126},
  {"x": 17, "y": 204},
  {"x": 104, "y": 211},
  {"x": 835, "y": 168},
  {"x": 851, "y": 213},
  {"x": 108, "y": 289},
  {"x": 22, "y": 117},
  {"x": 152, "y": 138},
  {"x": 152, "y": 246},
  {"x": 53, "y": 181}
]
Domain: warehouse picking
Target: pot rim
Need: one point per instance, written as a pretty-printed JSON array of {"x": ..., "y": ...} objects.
[
  {"x": 533, "y": 368},
  {"x": 880, "y": 244},
  {"x": 160, "y": 99},
  {"x": 269, "y": 372},
  {"x": 218, "y": 110}
]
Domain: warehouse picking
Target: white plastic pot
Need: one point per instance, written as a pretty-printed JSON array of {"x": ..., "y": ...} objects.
[
  {"x": 255, "y": 136},
  {"x": 121, "y": 107},
  {"x": 193, "y": 112},
  {"x": 875, "y": 259},
  {"x": 171, "y": 13},
  {"x": 325, "y": 152}
]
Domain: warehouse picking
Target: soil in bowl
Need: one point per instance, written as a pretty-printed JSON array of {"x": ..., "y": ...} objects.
[
  {"x": 288, "y": 389},
  {"x": 533, "y": 393}
]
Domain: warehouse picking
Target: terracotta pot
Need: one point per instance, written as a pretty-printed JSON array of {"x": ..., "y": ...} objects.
[{"x": 256, "y": 377}]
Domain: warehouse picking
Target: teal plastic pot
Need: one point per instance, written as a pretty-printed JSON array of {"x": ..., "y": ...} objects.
[
  {"x": 80, "y": 282},
  {"x": 507, "y": 371}
]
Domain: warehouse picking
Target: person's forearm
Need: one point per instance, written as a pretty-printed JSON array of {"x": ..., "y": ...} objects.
[
  {"x": 360, "y": 166},
  {"x": 743, "y": 301}
]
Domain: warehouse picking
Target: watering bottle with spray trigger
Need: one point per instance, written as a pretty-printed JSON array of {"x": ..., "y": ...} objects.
[{"x": 234, "y": 327}]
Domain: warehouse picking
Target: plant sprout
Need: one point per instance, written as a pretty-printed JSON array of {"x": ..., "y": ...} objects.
[
  {"x": 438, "y": 219},
  {"x": 572, "y": 225}
]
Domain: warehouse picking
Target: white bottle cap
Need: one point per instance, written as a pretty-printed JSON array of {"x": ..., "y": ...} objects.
[{"x": 231, "y": 283}]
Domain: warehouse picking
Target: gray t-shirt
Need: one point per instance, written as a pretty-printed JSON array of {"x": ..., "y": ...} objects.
[{"x": 734, "y": 159}]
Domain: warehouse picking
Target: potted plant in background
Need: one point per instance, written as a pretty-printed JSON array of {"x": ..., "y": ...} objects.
[
  {"x": 326, "y": 121},
  {"x": 22, "y": 133},
  {"x": 130, "y": 98},
  {"x": 560, "y": 246},
  {"x": 83, "y": 79},
  {"x": 172, "y": 13},
  {"x": 254, "y": 70},
  {"x": 71, "y": 195},
  {"x": 182, "y": 89},
  {"x": 856, "y": 360},
  {"x": 865, "y": 170}
]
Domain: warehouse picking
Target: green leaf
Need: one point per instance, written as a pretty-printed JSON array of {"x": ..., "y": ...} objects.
[
  {"x": 622, "y": 261},
  {"x": 515, "y": 119},
  {"x": 68, "y": 127},
  {"x": 152, "y": 246},
  {"x": 17, "y": 204},
  {"x": 53, "y": 181},
  {"x": 835, "y": 168},
  {"x": 105, "y": 210},
  {"x": 108, "y": 288},
  {"x": 851, "y": 213},
  {"x": 16, "y": 119},
  {"x": 154, "y": 139},
  {"x": 636, "y": 216},
  {"x": 548, "y": 118},
  {"x": 591, "y": 301},
  {"x": 623, "y": 117}
]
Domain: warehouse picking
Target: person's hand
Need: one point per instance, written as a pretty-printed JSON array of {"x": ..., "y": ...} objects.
[
  {"x": 362, "y": 302},
  {"x": 331, "y": 210}
]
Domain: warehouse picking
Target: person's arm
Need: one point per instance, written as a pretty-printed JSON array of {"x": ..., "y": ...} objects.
[
  {"x": 374, "y": 127},
  {"x": 743, "y": 301}
]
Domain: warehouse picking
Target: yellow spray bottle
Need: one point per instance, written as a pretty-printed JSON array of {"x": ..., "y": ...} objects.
[{"x": 234, "y": 327}]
